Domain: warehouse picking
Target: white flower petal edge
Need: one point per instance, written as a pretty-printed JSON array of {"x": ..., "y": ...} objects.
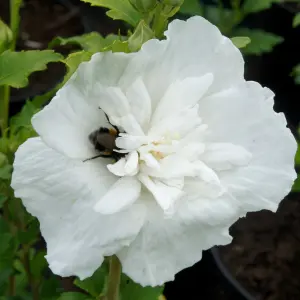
[
  {"x": 201, "y": 147},
  {"x": 269, "y": 176},
  {"x": 158, "y": 249},
  {"x": 61, "y": 192},
  {"x": 75, "y": 111}
]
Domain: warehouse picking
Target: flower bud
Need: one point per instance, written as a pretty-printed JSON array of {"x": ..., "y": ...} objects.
[
  {"x": 141, "y": 34},
  {"x": 144, "y": 5}
]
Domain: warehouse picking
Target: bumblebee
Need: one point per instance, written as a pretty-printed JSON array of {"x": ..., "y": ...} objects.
[{"x": 104, "y": 141}]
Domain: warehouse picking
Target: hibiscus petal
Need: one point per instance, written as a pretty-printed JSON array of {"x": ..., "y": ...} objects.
[
  {"x": 182, "y": 94},
  {"x": 131, "y": 142},
  {"x": 61, "y": 192},
  {"x": 128, "y": 123},
  {"x": 165, "y": 195},
  {"x": 253, "y": 125},
  {"x": 125, "y": 166},
  {"x": 167, "y": 245},
  {"x": 118, "y": 168},
  {"x": 150, "y": 161},
  {"x": 224, "y": 156},
  {"x": 132, "y": 163},
  {"x": 205, "y": 173},
  {"x": 65, "y": 123},
  {"x": 112, "y": 100},
  {"x": 181, "y": 123},
  {"x": 211, "y": 204},
  {"x": 74, "y": 112},
  {"x": 218, "y": 56},
  {"x": 120, "y": 196},
  {"x": 140, "y": 102},
  {"x": 192, "y": 150}
]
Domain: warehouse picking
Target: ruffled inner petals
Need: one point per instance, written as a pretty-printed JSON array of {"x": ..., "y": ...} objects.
[
  {"x": 140, "y": 102},
  {"x": 182, "y": 94},
  {"x": 120, "y": 196},
  {"x": 165, "y": 195}
]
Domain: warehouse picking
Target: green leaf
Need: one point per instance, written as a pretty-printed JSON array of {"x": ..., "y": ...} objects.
[
  {"x": 253, "y": 6},
  {"x": 119, "y": 10},
  {"x": 92, "y": 42},
  {"x": 30, "y": 234},
  {"x": 118, "y": 46},
  {"x": 74, "y": 296},
  {"x": 297, "y": 156},
  {"x": 191, "y": 7},
  {"x": 23, "y": 118},
  {"x": 38, "y": 264},
  {"x": 94, "y": 285},
  {"x": 240, "y": 41},
  {"x": 18, "y": 266},
  {"x": 296, "y": 74},
  {"x": 8, "y": 246},
  {"x": 6, "y": 36},
  {"x": 50, "y": 288},
  {"x": 142, "y": 34},
  {"x": 3, "y": 159},
  {"x": 296, "y": 185},
  {"x": 4, "y": 227},
  {"x": 15, "y": 298},
  {"x": 261, "y": 41},
  {"x": 5, "y": 172},
  {"x": 224, "y": 19},
  {"x": 3, "y": 199},
  {"x": 21, "y": 285},
  {"x": 144, "y": 6},
  {"x": 20, "y": 126},
  {"x": 109, "y": 39},
  {"x": 15, "y": 67},
  {"x": 21, "y": 136},
  {"x": 41, "y": 100},
  {"x": 4, "y": 145},
  {"x": 296, "y": 21},
  {"x": 73, "y": 61},
  {"x": 4, "y": 279},
  {"x": 132, "y": 291},
  {"x": 7, "y": 250}
]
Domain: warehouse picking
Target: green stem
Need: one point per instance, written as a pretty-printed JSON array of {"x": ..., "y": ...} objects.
[
  {"x": 159, "y": 22},
  {"x": 32, "y": 283},
  {"x": 12, "y": 284},
  {"x": 4, "y": 107},
  {"x": 114, "y": 277},
  {"x": 5, "y": 90},
  {"x": 15, "y": 21}
]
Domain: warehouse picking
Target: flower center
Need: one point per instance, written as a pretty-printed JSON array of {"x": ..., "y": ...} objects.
[{"x": 157, "y": 154}]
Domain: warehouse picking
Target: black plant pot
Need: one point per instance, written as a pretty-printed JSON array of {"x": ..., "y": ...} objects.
[{"x": 230, "y": 278}]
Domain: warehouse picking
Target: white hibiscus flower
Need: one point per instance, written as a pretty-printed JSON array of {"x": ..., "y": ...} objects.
[{"x": 198, "y": 147}]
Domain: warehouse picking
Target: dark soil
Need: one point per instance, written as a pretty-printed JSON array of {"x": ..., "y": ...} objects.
[
  {"x": 46, "y": 19},
  {"x": 265, "y": 253}
]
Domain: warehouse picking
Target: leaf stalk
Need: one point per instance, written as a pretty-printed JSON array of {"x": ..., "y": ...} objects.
[
  {"x": 114, "y": 278},
  {"x": 15, "y": 6}
]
